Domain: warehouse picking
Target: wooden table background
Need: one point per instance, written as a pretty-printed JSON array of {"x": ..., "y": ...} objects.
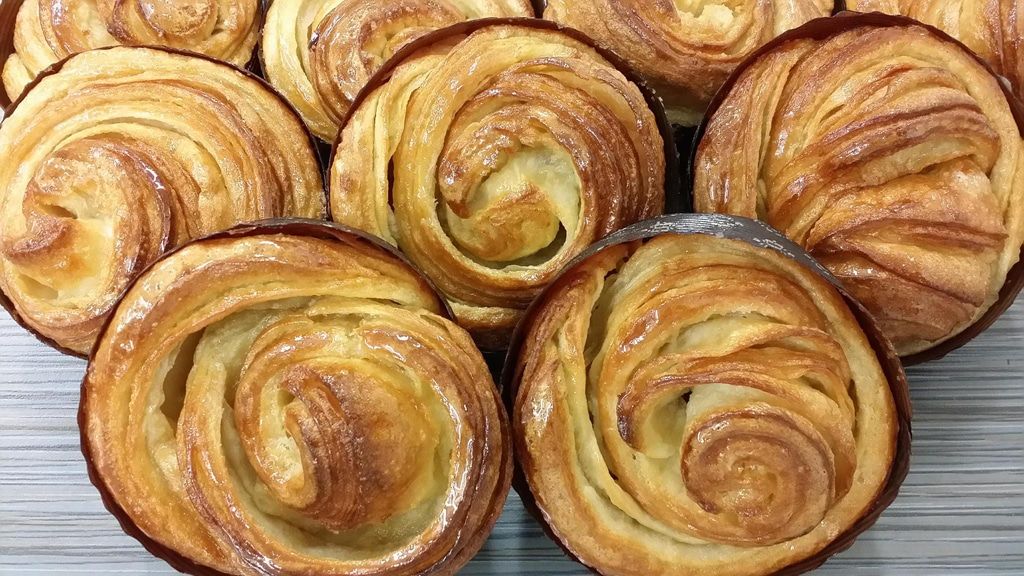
[{"x": 961, "y": 510}]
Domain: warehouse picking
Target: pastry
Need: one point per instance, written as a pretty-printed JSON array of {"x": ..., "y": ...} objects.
[
  {"x": 494, "y": 160},
  {"x": 123, "y": 153},
  {"x": 889, "y": 153},
  {"x": 320, "y": 53},
  {"x": 685, "y": 50},
  {"x": 47, "y": 31},
  {"x": 691, "y": 404},
  {"x": 992, "y": 28},
  {"x": 257, "y": 407}
]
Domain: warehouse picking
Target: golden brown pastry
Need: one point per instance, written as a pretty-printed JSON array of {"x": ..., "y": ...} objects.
[
  {"x": 890, "y": 155},
  {"x": 685, "y": 50},
  {"x": 320, "y": 53},
  {"x": 992, "y": 28},
  {"x": 694, "y": 405},
  {"x": 123, "y": 154},
  {"x": 292, "y": 401},
  {"x": 493, "y": 164},
  {"x": 50, "y": 30}
]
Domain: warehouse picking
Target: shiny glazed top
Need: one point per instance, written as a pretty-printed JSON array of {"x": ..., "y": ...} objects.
[
  {"x": 47, "y": 31},
  {"x": 685, "y": 49},
  {"x": 123, "y": 153},
  {"x": 320, "y": 53},
  {"x": 279, "y": 403},
  {"x": 992, "y": 28},
  {"x": 691, "y": 404},
  {"x": 889, "y": 153},
  {"x": 493, "y": 159}
]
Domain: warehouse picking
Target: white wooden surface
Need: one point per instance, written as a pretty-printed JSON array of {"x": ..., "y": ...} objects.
[{"x": 961, "y": 511}]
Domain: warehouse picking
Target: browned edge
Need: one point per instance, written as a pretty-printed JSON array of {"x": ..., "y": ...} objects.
[
  {"x": 9, "y": 15},
  {"x": 275, "y": 226},
  {"x": 5, "y": 301},
  {"x": 821, "y": 29},
  {"x": 684, "y": 135},
  {"x": 326, "y": 149},
  {"x": 674, "y": 198},
  {"x": 763, "y": 236}
]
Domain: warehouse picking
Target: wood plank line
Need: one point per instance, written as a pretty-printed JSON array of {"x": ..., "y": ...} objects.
[{"x": 961, "y": 511}]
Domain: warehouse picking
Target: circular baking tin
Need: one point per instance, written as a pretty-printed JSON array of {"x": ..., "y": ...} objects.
[
  {"x": 287, "y": 226},
  {"x": 762, "y": 236},
  {"x": 824, "y": 28}
]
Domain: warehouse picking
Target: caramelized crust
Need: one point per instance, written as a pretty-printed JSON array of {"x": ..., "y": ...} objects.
[
  {"x": 47, "y": 31},
  {"x": 278, "y": 404},
  {"x": 890, "y": 155},
  {"x": 320, "y": 53},
  {"x": 695, "y": 405},
  {"x": 124, "y": 153},
  {"x": 992, "y": 28},
  {"x": 685, "y": 50},
  {"x": 493, "y": 162}
]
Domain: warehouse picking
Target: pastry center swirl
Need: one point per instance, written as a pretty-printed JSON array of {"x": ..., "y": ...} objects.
[
  {"x": 123, "y": 154},
  {"x": 325, "y": 426},
  {"x": 331, "y": 436},
  {"x": 304, "y": 407},
  {"x": 728, "y": 386},
  {"x": 492, "y": 160},
  {"x": 354, "y": 39},
  {"x": 695, "y": 403}
]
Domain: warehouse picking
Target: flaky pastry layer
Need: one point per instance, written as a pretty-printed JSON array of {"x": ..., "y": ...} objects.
[{"x": 695, "y": 405}]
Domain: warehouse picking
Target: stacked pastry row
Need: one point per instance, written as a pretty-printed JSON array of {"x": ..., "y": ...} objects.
[
  {"x": 319, "y": 53},
  {"x": 490, "y": 160},
  {"x": 691, "y": 394}
]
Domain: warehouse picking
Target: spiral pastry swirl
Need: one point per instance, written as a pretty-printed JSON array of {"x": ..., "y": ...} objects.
[
  {"x": 320, "y": 53},
  {"x": 124, "y": 153},
  {"x": 47, "y": 31},
  {"x": 686, "y": 50},
  {"x": 278, "y": 403},
  {"x": 494, "y": 162},
  {"x": 900, "y": 168},
  {"x": 992, "y": 28},
  {"x": 697, "y": 405}
]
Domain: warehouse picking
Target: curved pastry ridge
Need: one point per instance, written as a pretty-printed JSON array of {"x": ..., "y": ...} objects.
[
  {"x": 991, "y": 28},
  {"x": 123, "y": 154},
  {"x": 47, "y": 31},
  {"x": 492, "y": 161},
  {"x": 701, "y": 406},
  {"x": 320, "y": 53},
  {"x": 686, "y": 50},
  {"x": 306, "y": 408},
  {"x": 888, "y": 153}
]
